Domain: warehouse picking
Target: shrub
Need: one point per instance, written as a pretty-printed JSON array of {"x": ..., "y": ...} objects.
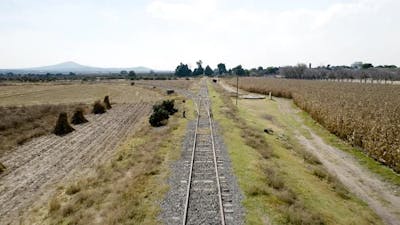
[
  {"x": 98, "y": 108},
  {"x": 274, "y": 180},
  {"x": 298, "y": 215},
  {"x": 338, "y": 187},
  {"x": 63, "y": 127},
  {"x": 72, "y": 189},
  {"x": 67, "y": 210},
  {"x": 320, "y": 173},
  {"x": 257, "y": 190},
  {"x": 107, "y": 102},
  {"x": 168, "y": 105},
  {"x": 158, "y": 117},
  {"x": 54, "y": 205},
  {"x": 287, "y": 196},
  {"x": 78, "y": 117},
  {"x": 161, "y": 113}
]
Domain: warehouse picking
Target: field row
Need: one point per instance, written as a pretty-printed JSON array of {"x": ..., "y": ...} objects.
[{"x": 46, "y": 160}]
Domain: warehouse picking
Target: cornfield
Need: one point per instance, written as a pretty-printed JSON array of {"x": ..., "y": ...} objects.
[{"x": 366, "y": 115}]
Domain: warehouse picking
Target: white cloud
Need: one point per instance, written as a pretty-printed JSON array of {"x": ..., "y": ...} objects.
[
  {"x": 192, "y": 11},
  {"x": 290, "y": 36},
  {"x": 161, "y": 33}
]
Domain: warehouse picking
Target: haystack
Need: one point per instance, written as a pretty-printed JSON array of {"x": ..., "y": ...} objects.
[
  {"x": 78, "y": 117},
  {"x": 107, "y": 102},
  {"x": 98, "y": 108},
  {"x": 2, "y": 168},
  {"x": 62, "y": 126}
]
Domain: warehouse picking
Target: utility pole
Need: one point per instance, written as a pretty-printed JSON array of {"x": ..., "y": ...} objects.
[{"x": 237, "y": 88}]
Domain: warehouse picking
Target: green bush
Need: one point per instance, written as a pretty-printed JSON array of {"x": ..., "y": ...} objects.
[
  {"x": 158, "y": 117},
  {"x": 168, "y": 105},
  {"x": 161, "y": 113}
]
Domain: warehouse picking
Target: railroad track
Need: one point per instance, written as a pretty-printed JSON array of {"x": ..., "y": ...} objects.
[{"x": 207, "y": 194}]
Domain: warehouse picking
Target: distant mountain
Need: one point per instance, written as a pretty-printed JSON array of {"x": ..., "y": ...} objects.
[{"x": 74, "y": 67}]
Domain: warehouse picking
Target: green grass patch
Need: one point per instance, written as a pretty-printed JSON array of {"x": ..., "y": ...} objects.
[{"x": 281, "y": 188}]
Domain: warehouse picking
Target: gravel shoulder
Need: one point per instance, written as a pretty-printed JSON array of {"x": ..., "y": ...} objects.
[
  {"x": 34, "y": 168},
  {"x": 174, "y": 202}
]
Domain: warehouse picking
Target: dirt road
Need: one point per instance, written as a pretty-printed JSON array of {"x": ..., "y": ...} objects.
[
  {"x": 34, "y": 168},
  {"x": 379, "y": 195}
]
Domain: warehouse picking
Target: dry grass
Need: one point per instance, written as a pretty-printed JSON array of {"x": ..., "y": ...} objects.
[
  {"x": 20, "y": 124},
  {"x": 126, "y": 190},
  {"x": 294, "y": 211},
  {"x": 30, "y": 110},
  {"x": 365, "y": 115},
  {"x": 181, "y": 83},
  {"x": 38, "y": 94},
  {"x": 54, "y": 205}
]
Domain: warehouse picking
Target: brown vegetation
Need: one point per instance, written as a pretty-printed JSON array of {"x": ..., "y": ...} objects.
[
  {"x": 99, "y": 108},
  {"x": 36, "y": 167},
  {"x": 78, "y": 117},
  {"x": 20, "y": 124},
  {"x": 366, "y": 115},
  {"x": 2, "y": 168},
  {"x": 182, "y": 84},
  {"x": 125, "y": 190},
  {"x": 107, "y": 102},
  {"x": 71, "y": 92},
  {"x": 62, "y": 126}
]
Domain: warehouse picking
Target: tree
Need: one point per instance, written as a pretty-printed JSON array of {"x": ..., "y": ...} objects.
[
  {"x": 123, "y": 72},
  {"x": 222, "y": 69},
  {"x": 239, "y": 71},
  {"x": 272, "y": 70},
  {"x": 132, "y": 75},
  {"x": 199, "y": 70},
  {"x": 208, "y": 71},
  {"x": 367, "y": 66},
  {"x": 183, "y": 70}
]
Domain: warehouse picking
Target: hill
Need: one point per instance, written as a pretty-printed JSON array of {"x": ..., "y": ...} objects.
[{"x": 67, "y": 67}]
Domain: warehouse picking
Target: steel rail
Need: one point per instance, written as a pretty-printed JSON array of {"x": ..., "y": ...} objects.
[
  {"x": 221, "y": 207},
  {"x": 191, "y": 165}
]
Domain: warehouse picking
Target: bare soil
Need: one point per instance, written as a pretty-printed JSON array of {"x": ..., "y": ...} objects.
[{"x": 34, "y": 168}]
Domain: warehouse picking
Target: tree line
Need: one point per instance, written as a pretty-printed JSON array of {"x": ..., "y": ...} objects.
[
  {"x": 357, "y": 71},
  {"x": 364, "y": 73},
  {"x": 183, "y": 70}
]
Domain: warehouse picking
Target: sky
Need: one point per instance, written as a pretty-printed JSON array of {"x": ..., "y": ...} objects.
[{"x": 162, "y": 33}]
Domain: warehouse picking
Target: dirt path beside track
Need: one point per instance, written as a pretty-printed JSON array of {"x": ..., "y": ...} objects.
[
  {"x": 381, "y": 196},
  {"x": 34, "y": 168}
]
